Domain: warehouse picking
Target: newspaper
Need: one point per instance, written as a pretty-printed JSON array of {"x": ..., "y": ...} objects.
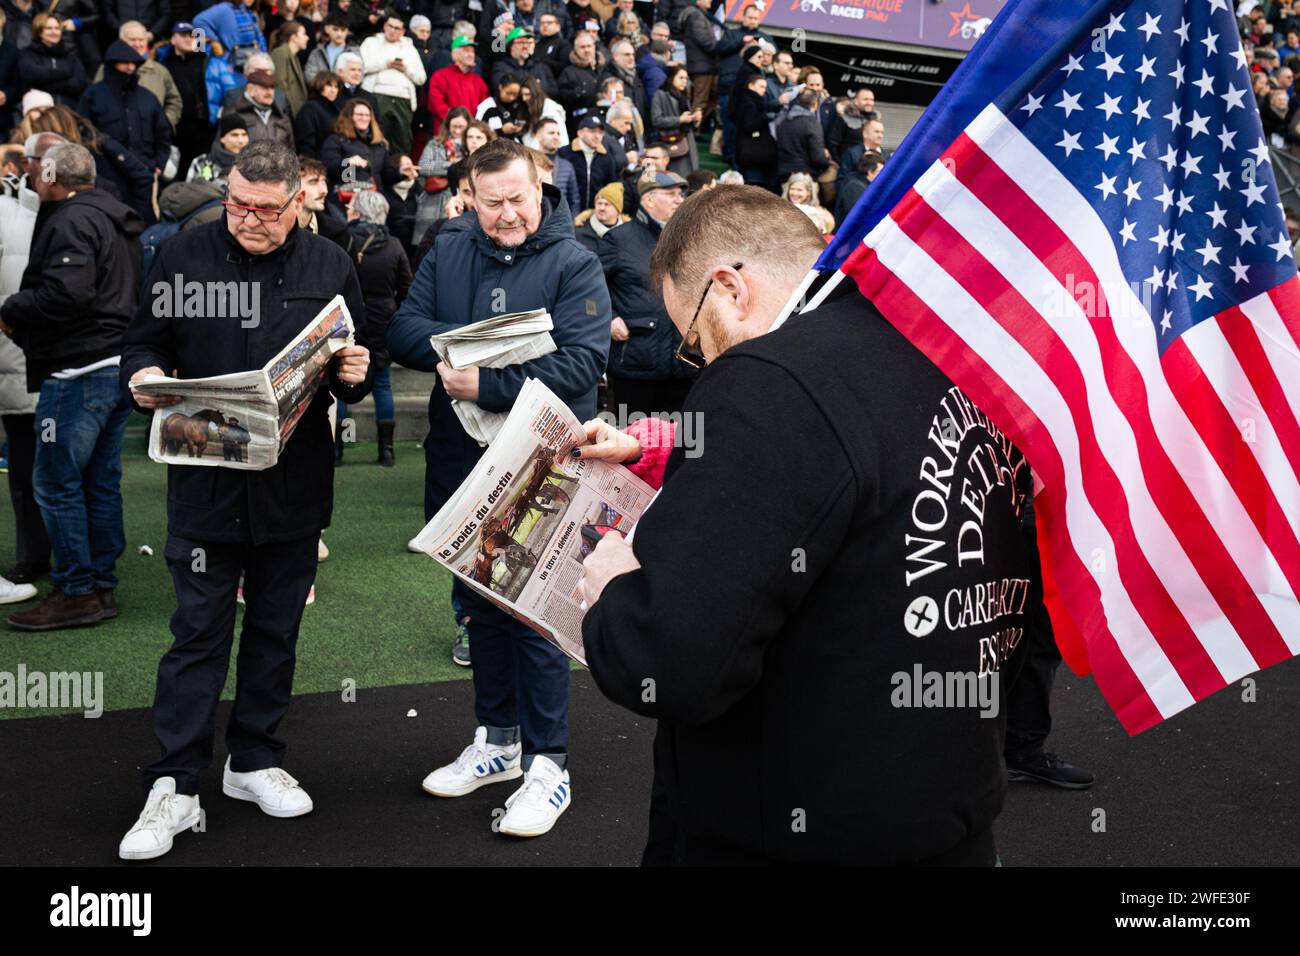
[
  {"x": 244, "y": 419},
  {"x": 518, "y": 527},
  {"x": 502, "y": 340}
]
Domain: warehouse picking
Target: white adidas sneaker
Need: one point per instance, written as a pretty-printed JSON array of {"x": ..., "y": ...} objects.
[
  {"x": 11, "y": 593},
  {"x": 533, "y": 809},
  {"x": 478, "y": 765},
  {"x": 166, "y": 813},
  {"x": 277, "y": 793}
]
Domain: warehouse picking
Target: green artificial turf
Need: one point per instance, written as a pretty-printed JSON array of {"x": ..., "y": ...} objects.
[{"x": 382, "y": 614}]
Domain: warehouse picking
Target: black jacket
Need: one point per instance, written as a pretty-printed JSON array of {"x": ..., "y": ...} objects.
[
  {"x": 652, "y": 338},
  {"x": 10, "y": 84},
  {"x": 294, "y": 498},
  {"x": 156, "y": 15},
  {"x": 523, "y": 72},
  {"x": 579, "y": 86},
  {"x": 123, "y": 175},
  {"x": 80, "y": 287},
  {"x": 56, "y": 70},
  {"x": 755, "y": 145},
  {"x": 314, "y": 123},
  {"x": 119, "y": 107},
  {"x": 799, "y": 144},
  {"x": 701, "y": 45},
  {"x": 385, "y": 276},
  {"x": 338, "y": 148},
  {"x": 190, "y": 71},
  {"x": 789, "y": 589},
  {"x": 591, "y": 179}
]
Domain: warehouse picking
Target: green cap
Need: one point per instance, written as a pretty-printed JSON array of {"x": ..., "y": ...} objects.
[
  {"x": 461, "y": 41},
  {"x": 518, "y": 32}
]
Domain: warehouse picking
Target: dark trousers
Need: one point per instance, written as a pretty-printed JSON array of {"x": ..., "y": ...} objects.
[
  {"x": 648, "y": 396},
  {"x": 520, "y": 679},
  {"x": 1032, "y": 667},
  {"x": 193, "y": 672},
  {"x": 33, "y": 543}
]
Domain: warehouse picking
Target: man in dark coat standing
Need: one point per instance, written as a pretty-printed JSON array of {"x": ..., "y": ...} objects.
[
  {"x": 131, "y": 115},
  {"x": 643, "y": 374},
  {"x": 514, "y": 253},
  {"x": 825, "y": 605},
  {"x": 594, "y": 166},
  {"x": 800, "y": 147},
  {"x": 222, "y": 522},
  {"x": 77, "y": 294},
  {"x": 188, "y": 67}
]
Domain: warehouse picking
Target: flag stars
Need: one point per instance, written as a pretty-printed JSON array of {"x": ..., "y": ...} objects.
[
  {"x": 1218, "y": 217},
  {"x": 1073, "y": 65},
  {"x": 1167, "y": 322},
  {"x": 1240, "y": 55},
  {"x": 1239, "y": 271},
  {"x": 1157, "y": 277},
  {"x": 1209, "y": 253},
  {"x": 1138, "y": 151},
  {"x": 1176, "y": 246},
  {"x": 1198, "y": 124},
  {"x": 1226, "y": 138},
  {"x": 1190, "y": 164},
  {"x": 1171, "y": 281},
  {"x": 1126, "y": 231},
  {"x": 1177, "y": 75},
  {"x": 1070, "y": 142},
  {"x": 1182, "y": 31},
  {"x": 1147, "y": 69},
  {"x": 1246, "y": 234},
  {"x": 1109, "y": 145},
  {"x": 1107, "y": 186},
  {"x": 1161, "y": 239},
  {"x": 1170, "y": 158},
  {"x": 1115, "y": 25},
  {"x": 1234, "y": 98},
  {"x": 1166, "y": 198},
  {"x": 1184, "y": 203},
  {"x": 1205, "y": 83},
  {"x": 1034, "y": 104},
  {"x": 1211, "y": 41},
  {"x": 1069, "y": 102},
  {"x": 1254, "y": 194},
  {"x": 1109, "y": 105},
  {"x": 1175, "y": 116},
  {"x": 1260, "y": 152},
  {"x": 1283, "y": 246},
  {"x": 1142, "y": 111},
  {"x": 1131, "y": 192},
  {"x": 1224, "y": 179},
  {"x": 1110, "y": 65},
  {"x": 1151, "y": 28},
  {"x": 1202, "y": 288}
]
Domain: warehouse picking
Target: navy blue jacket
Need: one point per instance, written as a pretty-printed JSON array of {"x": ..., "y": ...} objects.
[
  {"x": 465, "y": 278},
  {"x": 120, "y": 107},
  {"x": 652, "y": 338},
  {"x": 604, "y": 170}
]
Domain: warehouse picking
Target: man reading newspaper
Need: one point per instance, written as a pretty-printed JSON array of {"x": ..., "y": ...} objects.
[
  {"x": 513, "y": 254},
  {"x": 223, "y": 521}
]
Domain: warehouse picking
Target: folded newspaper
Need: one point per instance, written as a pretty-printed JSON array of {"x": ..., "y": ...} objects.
[
  {"x": 244, "y": 419},
  {"x": 493, "y": 343},
  {"x": 518, "y": 527}
]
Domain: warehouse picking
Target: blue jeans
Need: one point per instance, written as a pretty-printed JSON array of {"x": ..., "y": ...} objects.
[
  {"x": 382, "y": 393},
  {"x": 78, "y": 476}
]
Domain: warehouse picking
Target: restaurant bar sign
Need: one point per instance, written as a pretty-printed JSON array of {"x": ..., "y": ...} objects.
[{"x": 954, "y": 25}]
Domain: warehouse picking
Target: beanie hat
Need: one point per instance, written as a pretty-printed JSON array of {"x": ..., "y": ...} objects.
[
  {"x": 230, "y": 120},
  {"x": 612, "y": 194}
]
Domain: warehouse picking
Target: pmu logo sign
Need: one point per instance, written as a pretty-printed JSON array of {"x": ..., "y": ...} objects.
[{"x": 968, "y": 25}]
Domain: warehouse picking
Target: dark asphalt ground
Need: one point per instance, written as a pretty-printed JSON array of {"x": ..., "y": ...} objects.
[{"x": 1214, "y": 786}]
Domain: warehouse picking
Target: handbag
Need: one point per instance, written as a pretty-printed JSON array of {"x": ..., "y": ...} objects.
[{"x": 677, "y": 143}]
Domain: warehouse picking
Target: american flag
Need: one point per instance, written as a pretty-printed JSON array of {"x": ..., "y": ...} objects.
[{"x": 1097, "y": 256}]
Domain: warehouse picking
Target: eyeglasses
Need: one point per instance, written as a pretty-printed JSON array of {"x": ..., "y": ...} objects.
[
  {"x": 692, "y": 356},
  {"x": 263, "y": 215}
]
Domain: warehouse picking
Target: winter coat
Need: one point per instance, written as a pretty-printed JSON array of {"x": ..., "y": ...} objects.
[
  {"x": 212, "y": 166},
  {"x": 462, "y": 279},
  {"x": 56, "y": 70},
  {"x": 523, "y": 72},
  {"x": 652, "y": 74},
  {"x": 591, "y": 178},
  {"x": 665, "y": 117},
  {"x": 314, "y": 124},
  {"x": 180, "y": 199},
  {"x": 11, "y": 85},
  {"x": 449, "y": 87},
  {"x": 289, "y": 77},
  {"x": 799, "y": 144},
  {"x": 647, "y": 353},
  {"x": 579, "y": 85},
  {"x": 156, "y": 15},
  {"x": 278, "y": 127},
  {"x": 121, "y": 174},
  {"x": 755, "y": 145},
  {"x": 385, "y": 276},
  {"x": 337, "y": 148},
  {"x": 156, "y": 79},
  {"x": 382, "y": 80},
  {"x": 118, "y": 106},
  {"x": 189, "y": 76},
  {"x": 18, "y": 23},
  {"x": 80, "y": 287},
  {"x": 701, "y": 45},
  {"x": 294, "y": 498}
]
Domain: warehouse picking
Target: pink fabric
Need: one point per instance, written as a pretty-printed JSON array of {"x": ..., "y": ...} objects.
[{"x": 656, "y": 437}]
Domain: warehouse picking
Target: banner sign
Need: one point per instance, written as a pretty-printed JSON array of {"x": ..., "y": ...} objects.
[{"x": 954, "y": 25}]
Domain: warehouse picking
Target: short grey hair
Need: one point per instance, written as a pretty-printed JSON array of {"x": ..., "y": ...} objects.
[
  {"x": 259, "y": 61},
  {"x": 463, "y": 28},
  {"x": 73, "y": 165},
  {"x": 346, "y": 57},
  {"x": 121, "y": 31},
  {"x": 371, "y": 206},
  {"x": 621, "y": 108},
  {"x": 38, "y": 143},
  {"x": 268, "y": 162},
  {"x": 622, "y": 41},
  {"x": 731, "y": 178}
]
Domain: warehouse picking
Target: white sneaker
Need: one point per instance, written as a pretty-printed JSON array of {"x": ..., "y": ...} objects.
[
  {"x": 478, "y": 765},
  {"x": 322, "y": 552},
  {"x": 533, "y": 809},
  {"x": 11, "y": 593},
  {"x": 166, "y": 813},
  {"x": 277, "y": 793}
]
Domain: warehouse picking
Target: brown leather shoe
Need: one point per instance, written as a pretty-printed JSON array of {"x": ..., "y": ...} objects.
[
  {"x": 108, "y": 601},
  {"x": 59, "y": 610}
]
